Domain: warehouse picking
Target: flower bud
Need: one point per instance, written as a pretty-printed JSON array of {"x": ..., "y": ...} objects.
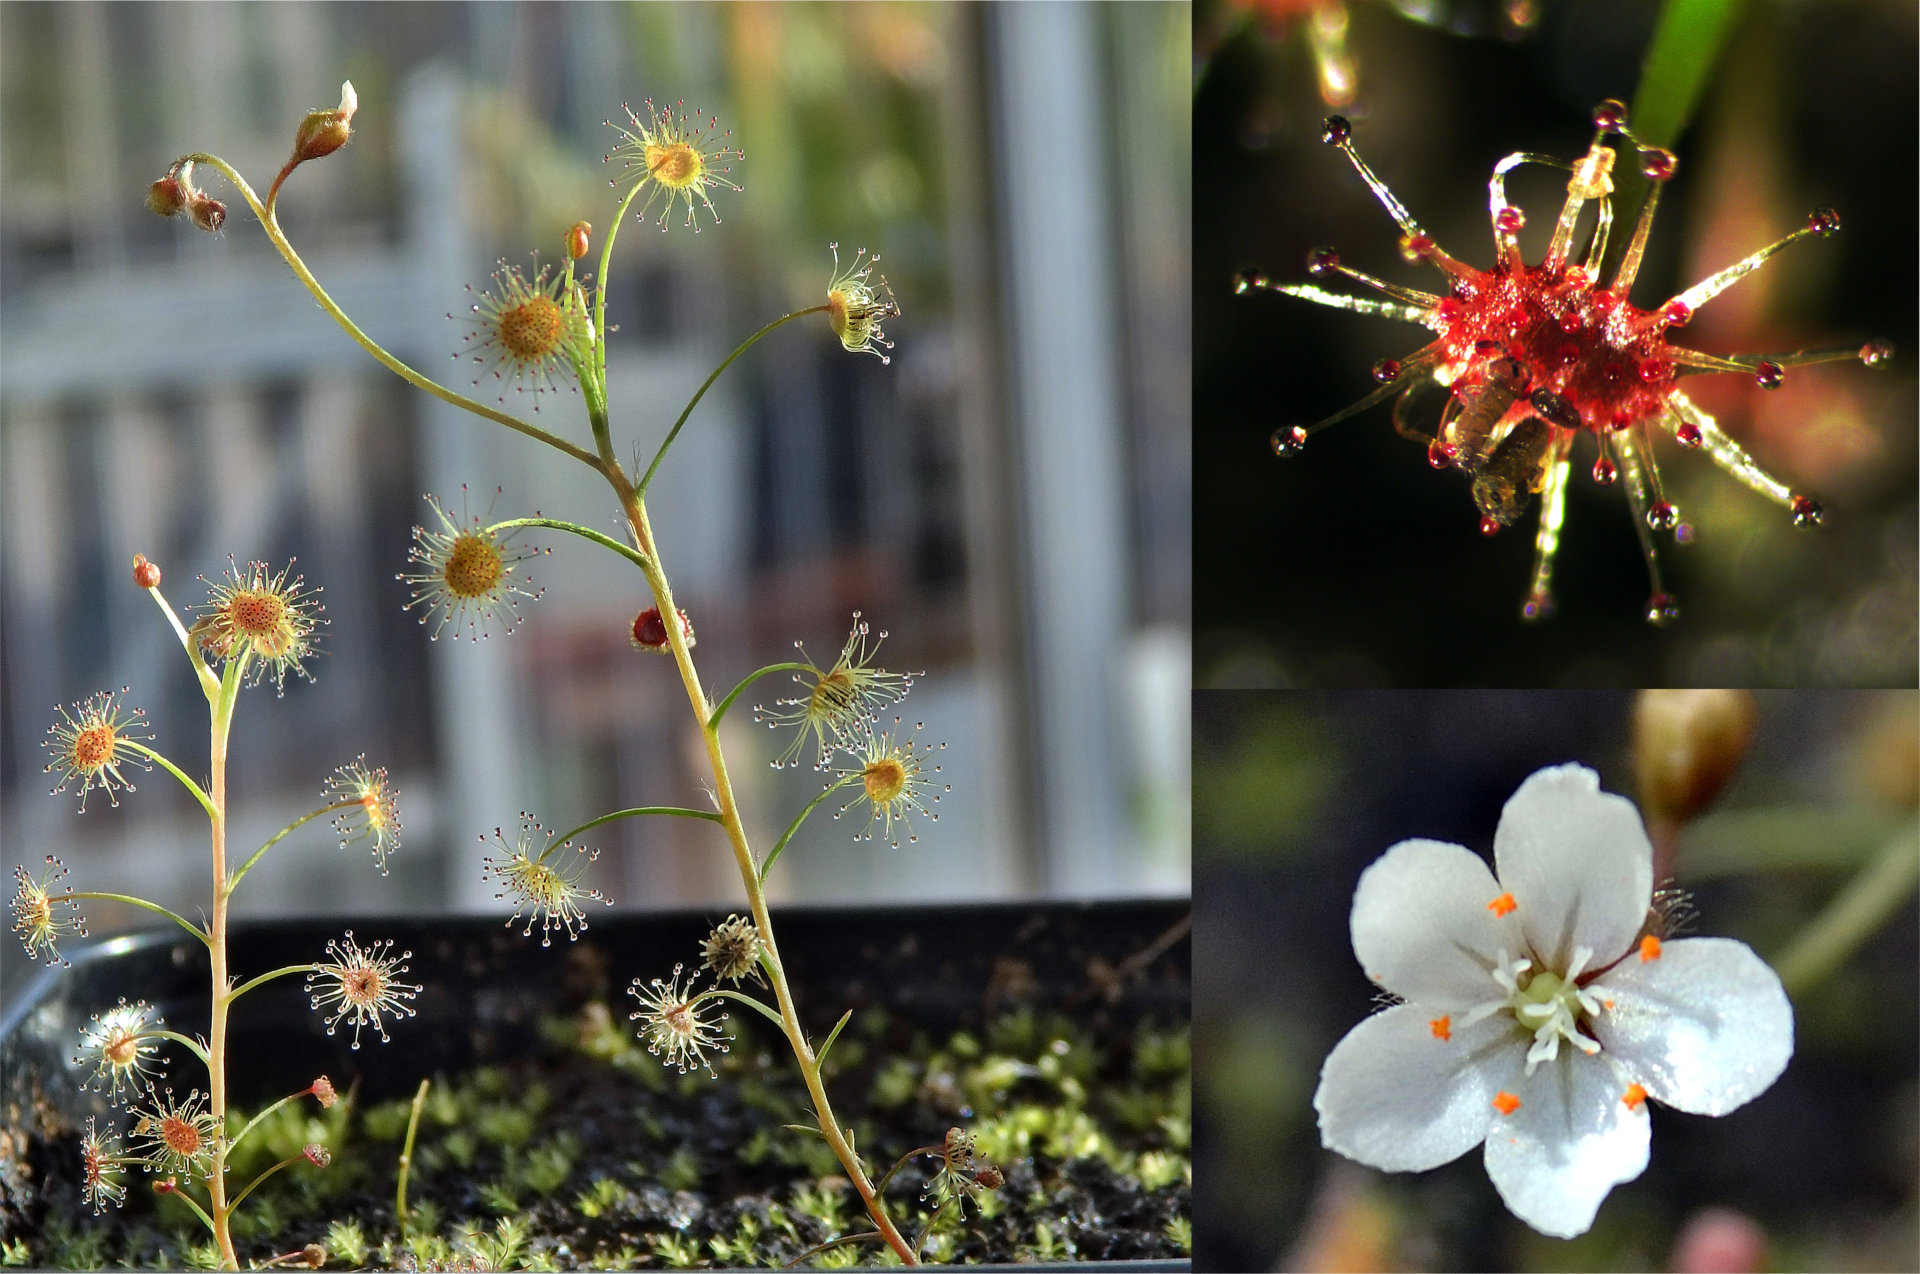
[
  {"x": 317, "y": 1155},
  {"x": 649, "y": 633},
  {"x": 322, "y": 1091},
  {"x": 323, "y": 132},
  {"x": 1686, "y": 745},
  {"x": 167, "y": 197},
  {"x": 145, "y": 573},
  {"x": 579, "y": 239},
  {"x": 208, "y": 213}
]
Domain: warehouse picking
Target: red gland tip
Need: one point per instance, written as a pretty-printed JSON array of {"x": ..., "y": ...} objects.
[
  {"x": 1657, "y": 164},
  {"x": 1807, "y": 512},
  {"x": 1824, "y": 221},
  {"x": 1877, "y": 352},
  {"x": 1509, "y": 220},
  {"x": 1336, "y": 130},
  {"x": 1604, "y": 472},
  {"x": 1663, "y": 516},
  {"x": 1676, "y": 312},
  {"x": 1662, "y": 609},
  {"x": 1489, "y": 526},
  {"x": 1539, "y": 605},
  {"x": 1249, "y": 281},
  {"x": 1288, "y": 442},
  {"x": 1769, "y": 375},
  {"x": 1322, "y": 261},
  {"x": 1689, "y": 435},
  {"x": 1416, "y": 247},
  {"x": 145, "y": 573},
  {"x": 1610, "y": 116},
  {"x": 1386, "y": 370}
]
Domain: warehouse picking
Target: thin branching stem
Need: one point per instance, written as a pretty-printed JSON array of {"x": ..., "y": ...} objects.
[
  {"x": 284, "y": 832},
  {"x": 671, "y": 811},
  {"x": 199, "y": 793},
  {"x": 132, "y": 901},
  {"x": 713, "y": 722},
  {"x": 574, "y": 528}
]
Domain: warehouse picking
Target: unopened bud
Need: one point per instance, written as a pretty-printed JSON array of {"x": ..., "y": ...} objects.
[
  {"x": 651, "y": 634},
  {"x": 323, "y": 132},
  {"x": 167, "y": 197},
  {"x": 323, "y": 1091},
  {"x": 989, "y": 1178},
  {"x": 207, "y": 212},
  {"x": 315, "y": 1255},
  {"x": 579, "y": 239},
  {"x": 1686, "y": 745},
  {"x": 145, "y": 573},
  {"x": 317, "y": 1155}
]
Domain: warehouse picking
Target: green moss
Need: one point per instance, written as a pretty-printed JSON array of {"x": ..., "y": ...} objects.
[
  {"x": 346, "y": 1243},
  {"x": 600, "y": 1198},
  {"x": 682, "y": 1170}
]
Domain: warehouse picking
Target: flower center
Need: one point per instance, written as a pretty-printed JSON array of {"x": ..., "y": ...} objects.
[
  {"x": 832, "y": 695},
  {"x": 180, "y": 1136},
  {"x": 121, "y": 1049},
  {"x": 473, "y": 567},
  {"x": 531, "y": 329},
  {"x": 885, "y": 779},
  {"x": 361, "y": 986},
  {"x": 93, "y": 746},
  {"x": 256, "y": 614},
  {"x": 1550, "y": 1006},
  {"x": 676, "y": 165}
]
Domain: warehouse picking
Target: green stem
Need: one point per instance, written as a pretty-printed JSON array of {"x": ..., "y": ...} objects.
[
  {"x": 199, "y": 794},
  {"x": 865, "y": 1236},
  {"x": 247, "y": 986},
  {"x": 131, "y": 901},
  {"x": 673, "y": 811},
  {"x": 800, "y": 818},
  {"x": 209, "y": 684},
  {"x": 193, "y": 1045},
  {"x": 1854, "y": 915},
  {"x": 933, "y": 1221},
  {"x": 242, "y": 1135},
  {"x": 744, "y": 998},
  {"x": 902, "y": 1162},
  {"x": 406, "y": 1157},
  {"x": 282, "y": 834},
  {"x": 600, "y": 287},
  {"x": 585, "y": 533},
  {"x": 742, "y": 348},
  {"x": 253, "y": 1184},
  {"x": 392, "y": 364},
  {"x": 180, "y": 1193},
  {"x": 713, "y": 722}
]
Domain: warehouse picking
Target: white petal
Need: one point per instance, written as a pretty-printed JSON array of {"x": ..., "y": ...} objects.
[
  {"x": 1422, "y": 928},
  {"x": 1705, "y": 1027},
  {"x": 1395, "y": 1096},
  {"x": 1572, "y": 1139},
  {"x": 1578, "y": 863}
]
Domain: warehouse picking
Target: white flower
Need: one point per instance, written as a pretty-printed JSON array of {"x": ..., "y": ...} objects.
[{"x": 1538, "y": 1016}]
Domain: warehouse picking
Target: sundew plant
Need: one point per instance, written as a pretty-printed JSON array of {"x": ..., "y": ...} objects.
[
  {"x": 541, "y": 328},
  {"x": 257, "y": 625}
]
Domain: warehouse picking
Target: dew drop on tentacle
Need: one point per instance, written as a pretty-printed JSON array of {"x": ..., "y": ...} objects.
[
  {"x": 1662, "y": 609},
  {"x": 1824, "y": 221},
  {"x": 1288, "y": 441},
  {"x": 1386, "y": 370},
  {"x": 1663, "y": 516},
  {"x": 1604, "y": 472},
  {"x": 1657, "y": 164},
  {"x": 1769, "y": 375},
  {"x": 1336, "y": 131},
  {"x": 1877, "y": 352},
  {"x": 1248, "y": 281},
  {"x": 1689, "y": 435},
  {"x": 1807, "y": 513},
  {"x": 1489, "y": 526},
  {"x": 1322, "y": 262},
  {"x": 1441, "y": 455},
  {"x": 1509, "y": 220}
]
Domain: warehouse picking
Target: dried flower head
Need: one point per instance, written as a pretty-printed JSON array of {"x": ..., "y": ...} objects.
[
  {"x": 839, "y": 703},
  {"x": 676, "y": 1023},
  {"x": 679, "y": 157},
  {"x": 369, "y": 811},
  {"x": 543, "y": 884},
  {"x": 260, "y": 614},
  {"x": 91, "y": 741},
  {"x": 322, "y": 1090},
  {"x": 101, "y": 1165},
  {"x": 733, "y": 950},
  {"x": 471, "y": 573},
  {"x": 178, "y": 1136},
  {"x": 362, "y": 983},
  {"x": 649, "y": 633},
  {"x": 44, "y": 911},
  {"x": 855, "y": 308},
  {"x": 893, "y": 778},
  {"x": 960, "y": 1176},
  {"x": 317, "y": 1155},
  {"x": 1528, "y": 358},
  {"x": 525, "y": 331},
  {"x": 122, "y": 1047}
]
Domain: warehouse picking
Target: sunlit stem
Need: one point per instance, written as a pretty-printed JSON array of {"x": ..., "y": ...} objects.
[
  {"x": 192, "y": 1045},
  {"x": 574, "y": 528},
  {"x": 747, "y": 1000},
  {"x": 1421, "y": 311},
  {"x": 801, "y": 817},
  {"x": 132, "y": 901},
  {"x": 286, "y": 831},
  {"x": 220, "y": 728},
  {"x": 640, "y": 488},
  {"x": 406, "y": 1157},
  {"x": 1878, "y": 893},
  {"x": 600, "y": 287},
  {"x": 1637, "y": 469},
  {"x": 1508, "y": 245},
  {"x": 1728, "y": 454},
  {"x": 713, "y": 721},
  {"x": 1379, "y": 395},
  {"x": 673, "y": 811},
  {"x": 1637, "y": 245},
  {"x": 199, "y": 794},
  {"x": 1591, "y": 180},
  {"x": 1705, "y": 290},
  {"x": 1397, "y": 210},
  {"x": 1602, "y": 227},
  {"x": 392, "y": 364},
  {"x": 284, "y": 971},
  {"x": 1553, "y": 511},
  {"x": 209, "y": 683}
]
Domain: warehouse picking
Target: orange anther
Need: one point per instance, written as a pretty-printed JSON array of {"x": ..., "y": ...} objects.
[
  {"x": 1636, "y": 1096},
  {"x": 1502, "y": 905},
  {"x": 1442, "y": 1027},
  {"x": 1609, "y": 1005},
  {"x": 1649, "y": 948},
  {"x": 1505, "y": 1103}
]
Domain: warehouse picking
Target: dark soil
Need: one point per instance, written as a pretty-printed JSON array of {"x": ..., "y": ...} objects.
[{"x": 563, "y": 1144}]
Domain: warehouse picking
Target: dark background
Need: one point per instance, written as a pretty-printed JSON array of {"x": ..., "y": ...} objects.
[{"x": 1357, "y": 565}]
